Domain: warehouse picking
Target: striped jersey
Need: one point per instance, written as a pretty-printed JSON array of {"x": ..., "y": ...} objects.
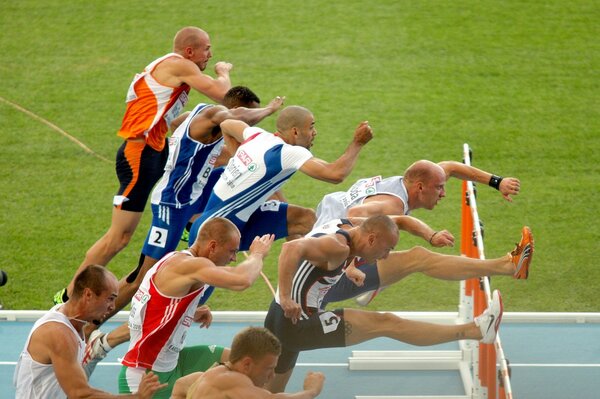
[
  {"x": 336, "y": 205},
  {"x": 260, "y": 166},
  {"x": 311, "y": 283},
  {"x": 34, "y": 380},
  {"x": 189, "y": 164},
  {"x": 151, "y": 106},
  {"x": 158, "y": 324}
]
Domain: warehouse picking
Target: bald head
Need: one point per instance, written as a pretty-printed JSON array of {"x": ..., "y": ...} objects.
[
  {"x": 425, "y": 183},
  {"x": 423, "y": 171},
  {"x": 217, "y": 229},
  {"x": 95, "y": 277},
  {"x": 189, "y": 37},
  {"x": 292, "y": 116},
  {"x": 380, "y": 225}
]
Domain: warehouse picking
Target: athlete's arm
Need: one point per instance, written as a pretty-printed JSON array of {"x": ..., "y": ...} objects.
[
  {"x": 234, "y": 129},
  {"x": 416, "y": 227},
  {"x": 215, "y": 88},
  {"x": 378, "y": 205},
  {"x": 185, "y": 384},
  {"x": 326, "y": 252},
  {"x": 62, "y": 349},
  {"x": 508, "y": 186},
  {"x": 251, "y": 116},
  {"x": 337, "y": 171},
  {"x": 178, "y": 121},
  {"x": 239, "y": 385},
  {"x": 236, "y": 278}
]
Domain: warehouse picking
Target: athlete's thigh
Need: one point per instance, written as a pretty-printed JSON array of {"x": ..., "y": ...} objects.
[
  {"x": 138, "y": 168},
  {"x": 323, "y": 329},
  {"x": 270, "y": 218},
  {"x": 165, "y": 232},
  {"x": 346, "y": 289},
  {"x": 400, "y": 264}
]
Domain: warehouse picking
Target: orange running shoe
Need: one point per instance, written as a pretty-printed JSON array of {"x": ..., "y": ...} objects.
[{"x": 522, "y": 254}]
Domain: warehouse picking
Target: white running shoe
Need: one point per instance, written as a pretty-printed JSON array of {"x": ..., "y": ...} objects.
[
  {"x": 489, "y": 321},
  {"x": 366, "y": 298},
  {"x": 95, "y": 351}
]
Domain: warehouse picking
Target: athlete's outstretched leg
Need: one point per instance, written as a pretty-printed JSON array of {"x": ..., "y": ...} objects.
[
  {"x": 117, "y": 237},
  {"x": 445, "y": 267},
  {"x": 363, "y": 325}
]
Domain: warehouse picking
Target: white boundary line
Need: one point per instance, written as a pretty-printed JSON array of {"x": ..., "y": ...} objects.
[
  {"x": 345, "y": 365},
  {"x": 442, "y": 317},
  {"x": 54, "y": 127}
]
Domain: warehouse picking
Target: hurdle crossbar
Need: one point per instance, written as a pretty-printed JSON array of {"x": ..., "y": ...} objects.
[
  {"x": 476, "y": 296},
  {"x": 475, "y": 361}
]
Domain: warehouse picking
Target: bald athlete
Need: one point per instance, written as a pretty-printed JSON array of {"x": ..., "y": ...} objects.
[{"x": 155, "y": 97}]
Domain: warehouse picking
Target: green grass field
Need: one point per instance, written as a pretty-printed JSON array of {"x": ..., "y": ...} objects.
[{"x": 517, "y": 80}]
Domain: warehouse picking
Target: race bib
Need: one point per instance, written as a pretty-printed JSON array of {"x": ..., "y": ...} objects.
[
  {"x": 176, "y": 108},
  {"x": 173, "y": 143},
  {"x": 158, "y": 237},
  {"x": 329, "y": 321},
  {"x": 239, "y": 168},
  {"x": 270, "y": 206},
  {"x": 360, "y": 189}
]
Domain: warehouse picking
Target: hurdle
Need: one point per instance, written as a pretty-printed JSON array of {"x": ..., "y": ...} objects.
[{"x": 476, "y": 362}]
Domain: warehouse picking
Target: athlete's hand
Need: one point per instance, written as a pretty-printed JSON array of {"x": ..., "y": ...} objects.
[
  {"x": 291, "y": 309},
  {"x": 355, "y": 275},
  {"x": 509, "y": 186},
  {"x": 442, "y": 238},
  {"x": 363, "y": 133},
  {"x": 314, "y": 382},
  {"x": 223, "y": 68},
  {"x": 203, "y": 315},
  {"x": 149, "y": 385},
  {"x": 261, "y": 245},
  {"x": 276, "y": 103}
]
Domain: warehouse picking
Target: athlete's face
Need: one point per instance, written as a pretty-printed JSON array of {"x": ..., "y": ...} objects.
[
  {"x": 305, "y": 133},
  {"x": 200, "y": 54},
  {"x": 225, "y": 250},
  {"x": 379, "y": 245},
  {"x": 101, "y": 305},
  {"x": 432, "y": 191},
  {"x": 263, "y": 370}
]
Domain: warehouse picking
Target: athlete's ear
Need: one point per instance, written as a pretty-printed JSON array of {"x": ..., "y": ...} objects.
[
  {"x": 246, "y": 363},
  {"x": 212, "y": 245},
  {"x": 88, "y": 294},
  {"x": 372, "y": 238}
]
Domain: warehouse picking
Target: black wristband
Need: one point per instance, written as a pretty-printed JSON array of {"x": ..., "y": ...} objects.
[
  {"x": 495, "y": 181},
  {"x": 431, "y": 238}
]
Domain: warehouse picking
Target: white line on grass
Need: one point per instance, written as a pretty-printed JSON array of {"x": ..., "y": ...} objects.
[{"x": 54, "y": 127}]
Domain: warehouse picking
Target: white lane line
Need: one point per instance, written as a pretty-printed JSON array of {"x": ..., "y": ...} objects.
[
  {"x": 54, "y": 127},
  {"x": 566, "y": 365}
]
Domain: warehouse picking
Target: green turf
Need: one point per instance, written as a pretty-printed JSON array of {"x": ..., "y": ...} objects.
[{"x": 517, "y": 80}]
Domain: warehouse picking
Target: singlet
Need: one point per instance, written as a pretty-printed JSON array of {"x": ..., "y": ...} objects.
[
  {"x": 260, "y": 166},
  {"x": 151, "y": 106},
  {"x": 310, "y": 283},
  {"x": 336, "y": 205},
  {"x": 34, "y": 380},
  {"x": 158, "y": 324},
  {"x": 189, "y": 164}
]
